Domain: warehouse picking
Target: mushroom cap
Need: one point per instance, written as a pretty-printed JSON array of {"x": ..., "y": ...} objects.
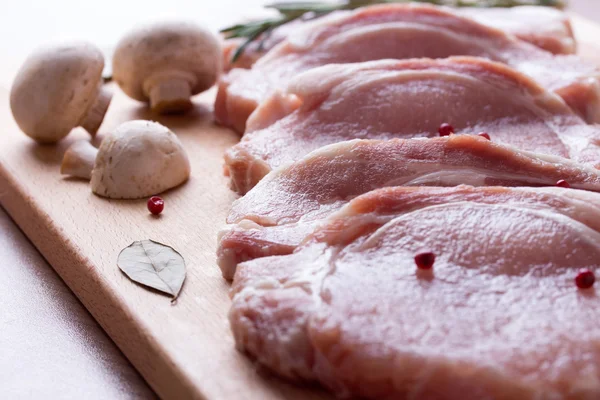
[
  {"x": 185, "y": 49},
  {"x": 55, "y": 88},
  {"x": 139, "y": 159}
]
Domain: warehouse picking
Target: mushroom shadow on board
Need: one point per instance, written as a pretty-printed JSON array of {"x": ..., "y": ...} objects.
[
  {"x": 48, "y": 154},
  {"x": 52, "y": 154},
  {"x": 200, "y": 115},
  {"x": 137, "y": 204},
  {"x": 587, "y": 293},
  {"x": 129, "y": 204}
]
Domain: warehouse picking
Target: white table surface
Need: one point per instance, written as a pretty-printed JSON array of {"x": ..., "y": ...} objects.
[{"x": 50, "y": 346}]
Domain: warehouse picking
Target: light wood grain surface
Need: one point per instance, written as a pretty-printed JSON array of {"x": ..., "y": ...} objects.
[{"x": 78, "y": 222}]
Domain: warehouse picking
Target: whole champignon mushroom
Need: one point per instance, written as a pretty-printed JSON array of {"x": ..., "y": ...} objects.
[
  {"x": 59, "y": 88},
  {"x": 165, "y": 64},
  {"x": 137, "y": 160}
]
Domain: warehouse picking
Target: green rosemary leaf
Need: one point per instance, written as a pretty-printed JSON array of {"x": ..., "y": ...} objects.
[
  {"x": 232, "y": 28},
  {"x": 304, "y": 7},
  {"x": 240, "y": 50}
]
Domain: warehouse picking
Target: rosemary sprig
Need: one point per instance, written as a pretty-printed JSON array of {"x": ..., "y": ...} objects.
[{"x": 292, "y": 11}]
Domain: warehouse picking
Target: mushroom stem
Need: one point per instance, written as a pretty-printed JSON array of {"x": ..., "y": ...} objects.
[
  {"x": 79, "y": 160},
  {"x": 92, "y": 120},
  {"x": 171, "y": 95}
]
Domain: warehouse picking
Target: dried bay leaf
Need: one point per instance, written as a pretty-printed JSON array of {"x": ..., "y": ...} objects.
[{"x": 153, "y": 264}]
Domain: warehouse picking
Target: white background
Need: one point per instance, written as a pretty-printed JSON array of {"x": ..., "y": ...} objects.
[{"x": 25, "y": 24}]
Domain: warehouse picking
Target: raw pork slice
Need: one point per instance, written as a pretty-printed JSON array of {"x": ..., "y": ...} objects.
[
  {"x": 499, "y": 316},
  {"x": 275, "y": 216},
  {"x": 401, "y": 31},
  {"x": 409, "y": 98},
  {"x": 544, "y": 27}
]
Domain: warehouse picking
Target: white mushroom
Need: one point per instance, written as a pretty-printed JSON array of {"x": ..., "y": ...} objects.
[
  {"x": 165, "y": 64},
  {"x": 139, "y": 159},
  {"x": 59, "y": 88}
]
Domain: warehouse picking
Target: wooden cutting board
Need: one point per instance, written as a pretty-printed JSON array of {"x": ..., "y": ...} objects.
[{"x": 184, "y": 350}]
